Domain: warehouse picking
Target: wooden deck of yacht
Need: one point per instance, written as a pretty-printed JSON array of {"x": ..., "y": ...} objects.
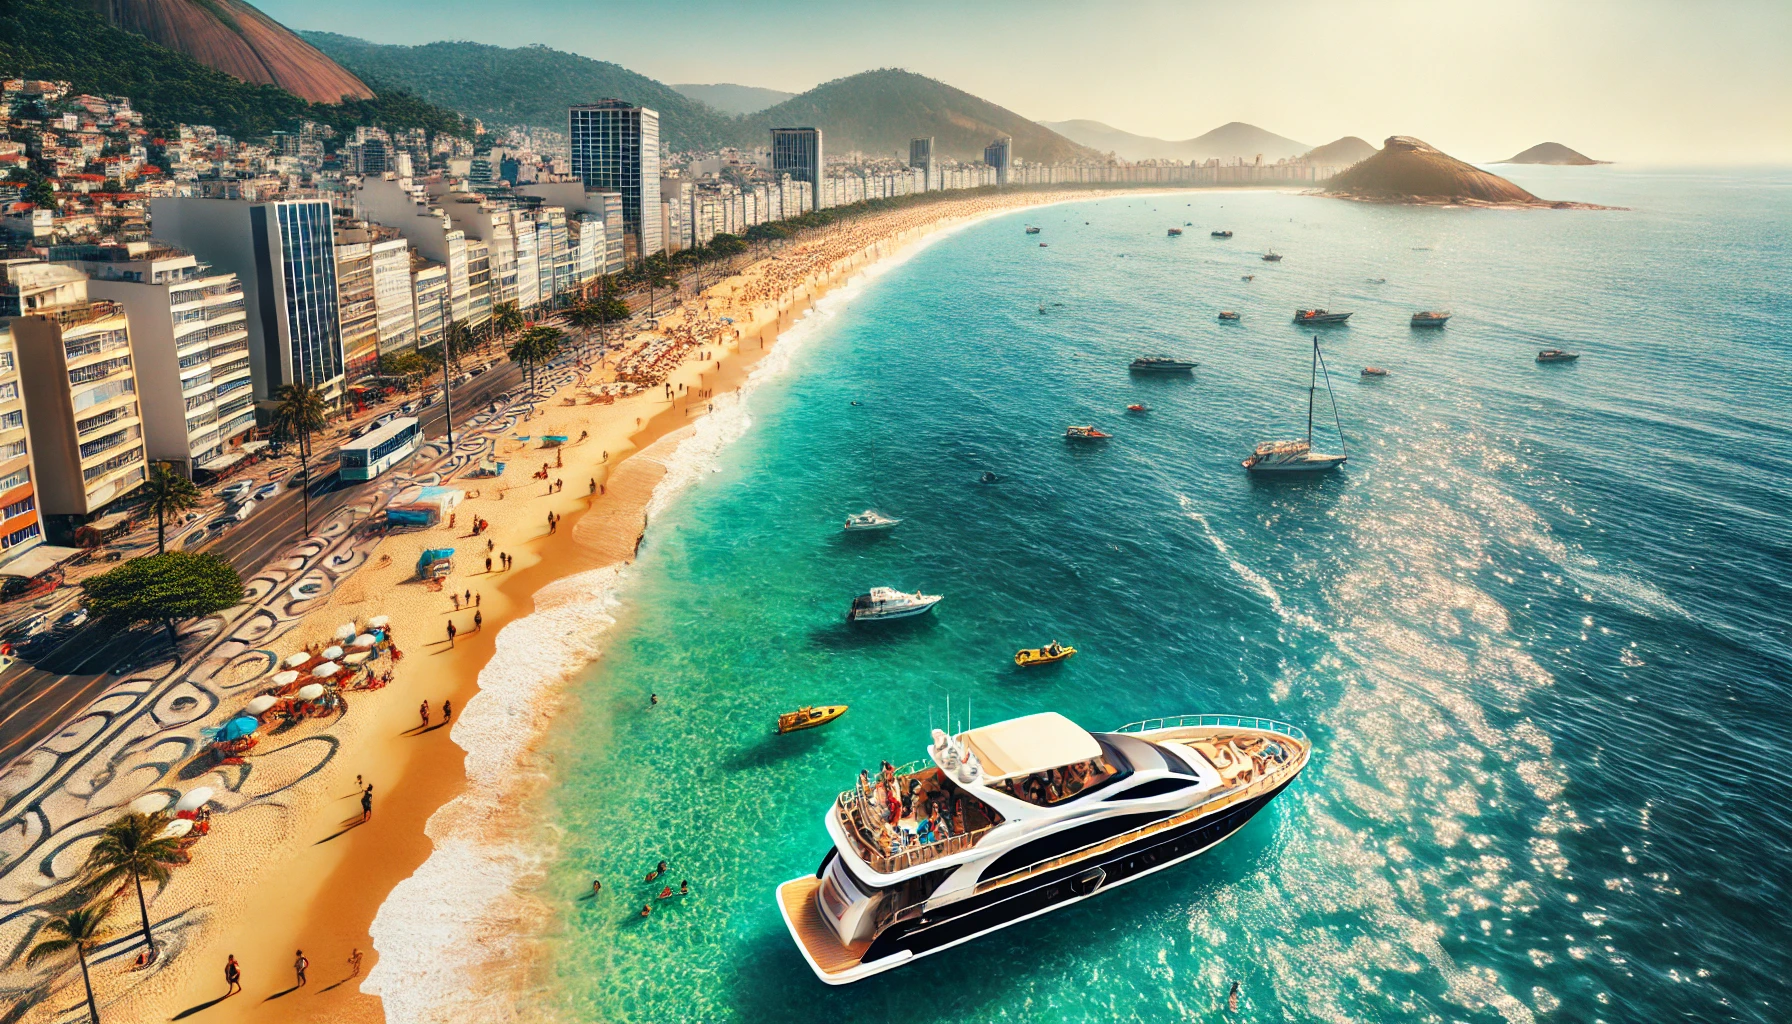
[{"x": 798, "y": 896}]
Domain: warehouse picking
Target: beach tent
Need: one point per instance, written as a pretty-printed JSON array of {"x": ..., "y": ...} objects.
[
  {"x": 176, "y": 828},
  {"x": 311, "y": 691},
  {"x": 194, "y": 800},
  {"x": 151, "y": 803},
  {"x": 444, "y": 498},
  {"x": 260, "y": 705},
  {"x": 297, "y": 658},
  {"x": 236, "y": 729},
  {"x": 413, "y": 515},
  {"x": 434, "y": 563}
]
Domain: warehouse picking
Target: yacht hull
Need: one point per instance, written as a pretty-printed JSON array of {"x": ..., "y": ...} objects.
[
  {"x": 1296, "y": 467},
  {"x": 905, "y": 613},
  {"x": 981, "y": 914}
]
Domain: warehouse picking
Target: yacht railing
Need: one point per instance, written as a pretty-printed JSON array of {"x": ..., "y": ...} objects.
[
  {"x": 857, "y": 813},
  {"x": 1216, "y": 721}
]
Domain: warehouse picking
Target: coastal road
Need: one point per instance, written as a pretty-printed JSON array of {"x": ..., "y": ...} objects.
[{"x": 36, "y": 699}]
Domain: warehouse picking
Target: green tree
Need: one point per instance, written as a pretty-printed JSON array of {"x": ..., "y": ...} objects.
[
  {"x": 167, "y": 493},
  {"x": 164, "y": 588},
  {"x": 79, "y": 929},
  {"x": 298, "y": 411},
  {"x": 537, "y": 345},
  {"x": 134, "y": 847},
  {"x": 506, "y": 320}
]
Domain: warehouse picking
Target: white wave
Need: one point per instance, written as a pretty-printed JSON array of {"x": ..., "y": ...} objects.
[{"x": 1256, "y": 580}]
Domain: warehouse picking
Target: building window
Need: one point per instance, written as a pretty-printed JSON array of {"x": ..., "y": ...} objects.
[
  {"x": 19, "y": 508},
  {"x": 20, "y": 536},
  {"x": 9, "y": 391},
  {"x": 15, "y": 478},
  {"x": 10, "y": 420}
]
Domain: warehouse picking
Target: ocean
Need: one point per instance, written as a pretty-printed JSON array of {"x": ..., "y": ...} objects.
[{"x": 1537, "y": 626}]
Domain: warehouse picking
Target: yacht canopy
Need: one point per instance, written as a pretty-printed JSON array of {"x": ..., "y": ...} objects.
[{"x": 1036, "y": 743}]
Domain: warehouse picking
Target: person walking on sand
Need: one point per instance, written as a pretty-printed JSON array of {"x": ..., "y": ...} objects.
[
  {"x": 233, "y": 976},
  {"x": 456, "y": 599},
  {"x": 447, "y": 711},
  {"x": 354, "y": 964},
  {"x": 423, "y": 713},
  {"x": 594, "y": 485},
  {"x": 299, "y": 965},
  {"x": 488, "y": 564},
  {"x": 451, "y": 632},
  {"x": 478, "y": 621}
]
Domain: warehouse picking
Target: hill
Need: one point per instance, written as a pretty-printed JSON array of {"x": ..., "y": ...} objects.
[
  {"x": 1345, "y": 152},
  {"x": 1552, "y": 153},
  {"x": 1234, "y": 141},
  {"x": 237, "y": 39},
  {"x": 734, "y": 99},
  {"x": 52, "y": 39},
  {"x": 1408, "y": 170},
  {"x": 878, "y": 112},
  {"x": 530, "y": 85}
]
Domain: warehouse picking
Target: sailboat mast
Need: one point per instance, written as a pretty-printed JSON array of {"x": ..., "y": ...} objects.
[{"x": 1312, "y": 383}]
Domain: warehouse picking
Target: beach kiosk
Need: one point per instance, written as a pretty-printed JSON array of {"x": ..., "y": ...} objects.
[{"x": 435, "y": 563}]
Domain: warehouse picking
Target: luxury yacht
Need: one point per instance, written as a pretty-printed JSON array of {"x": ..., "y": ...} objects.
[
  {"x": 870, "y": 519},
  {"x": 889, "y": 603},
  {"x": 1162, "y": 364},
  {"x": 1272, "y": 256},
  {"x": 1008, "y": 821}
]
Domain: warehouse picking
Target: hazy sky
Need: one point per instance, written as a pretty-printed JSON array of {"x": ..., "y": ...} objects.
[{"x": 1647, "y": 81}]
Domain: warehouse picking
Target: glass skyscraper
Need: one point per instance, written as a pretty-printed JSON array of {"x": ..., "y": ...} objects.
[
  {"x": 797, "y": 152},
  {"x": 616, "y": 148},
  {"x": 998, "y": 154},
  {"x": 308, "y": 255},
  {"x": 920, "y": 156}
]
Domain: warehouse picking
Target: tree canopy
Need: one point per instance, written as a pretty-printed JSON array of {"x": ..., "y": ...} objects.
[{"x": 164, "y": 588}]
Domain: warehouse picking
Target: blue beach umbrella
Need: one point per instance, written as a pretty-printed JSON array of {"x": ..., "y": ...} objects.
[{"x": 237, "y": 728}]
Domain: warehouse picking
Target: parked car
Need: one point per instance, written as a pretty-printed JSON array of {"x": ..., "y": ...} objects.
[
  {"x": 236, "y": 491},
  {"x": 266, "y": 491},
  {"x": 477, "y": 370},
  {"x": 72, "y": 618},
  {"x": 407, "y": 408},
  {"x": 27, "y": 627},
  {"x": 383, "y": 419}
]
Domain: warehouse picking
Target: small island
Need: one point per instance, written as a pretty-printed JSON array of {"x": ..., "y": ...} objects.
[
  {"x": 1408, "y": 170},
  {"x": 1553, "y": 153}
]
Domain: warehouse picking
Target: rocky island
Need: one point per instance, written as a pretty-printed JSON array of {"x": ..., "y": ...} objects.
[
  {"x": 1553, "y": 153},
  {"x": 1408, "y": 170}
]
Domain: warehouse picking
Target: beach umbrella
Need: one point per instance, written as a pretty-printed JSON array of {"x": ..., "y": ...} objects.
[
  {"x": 297, "y": 658},
  {"x": 346, "y": 630},
  {"x": 379, "y": 621},
  {"x": 260, "y": 705},
  {"x": 310, "y": 691},
  {"x": 194, "y": 799},
  {"x": 286, "y": 678},
  {"x": 151, "y": 803},
  {"x": 326, "y": 670},
  {"x": 332, "y": 652},
  {"x": 365, "y": 640},
  {"x": 237, "y": 728},
  {"x": 176, "y": 828}
]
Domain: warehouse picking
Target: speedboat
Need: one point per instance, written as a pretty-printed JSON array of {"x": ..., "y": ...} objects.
[
  {"x": 1288, "y": 457},
  {"x": 1431, "y": 318},
  {"x": 1032, "y": 230},
  {"x": 1229, "y": 316},
  {"x": 1248, "y": 277},
  {"x": 807, "y": 717},
  {"x": 1272, "y": 256},
  {"x": 1220, "y": 234},
  {"x": 1042, "y": 245},
  {"x": 1004, "y": 822},
  {"x": 1319, "y": 316},
  {"x": 1138, "y": 408},
  {"x": 1556, "y": 355},
  {"x": 1175, "y": 231},
  {"x": 1085, "y": 434},
  {"x": 870, "y": 519},
  {"x": 889, "y": 603},
  {"x": 1162, "y": 364},
  {"x": 1052, "y": 652},
  {"x": 1374, "y": 371}
]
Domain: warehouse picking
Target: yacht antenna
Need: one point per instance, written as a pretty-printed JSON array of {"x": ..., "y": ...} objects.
[{"x": 1319, "y": 357}]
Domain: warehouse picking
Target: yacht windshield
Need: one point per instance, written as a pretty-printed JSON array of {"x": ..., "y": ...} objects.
[{"x": 1056, "y": 785}]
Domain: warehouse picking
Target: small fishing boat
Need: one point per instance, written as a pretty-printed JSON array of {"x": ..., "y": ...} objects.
[
  {"x": 1375, "y": 280},
  {"x": 1431, "y": 318},
  {"x": 1138, "y": 409},
  {"x": 807, "y": 717},
  {"x": 1085, "y": 434},
  {"x": 1174, "y": 232},
  {"x": 870, "y": 519},
  {"x": 1248, "y": 277},
  {"x": 1042, "y": 245},
  {"x": 1319, "y": 316},
  {"x": 1032, "y": 230},
  {"x": 1374, "y": 371},
  {"x": 1220, "y": 234},
  {"x": 1288, "y": 457},
  {"x": 1162, "y": 364},
  {"x": 889, "y": 603},
  {"x": 1272, "y": 256},
  {"x": 1556, "y": 355},
  {"x": 1050, "y": 653},
  {"x": 1228, "y": 316}
]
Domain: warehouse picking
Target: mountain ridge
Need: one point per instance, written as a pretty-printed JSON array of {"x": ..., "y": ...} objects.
[
  {"x": 1345, "y": 152},
  {"x": 1234, "y": 140}
]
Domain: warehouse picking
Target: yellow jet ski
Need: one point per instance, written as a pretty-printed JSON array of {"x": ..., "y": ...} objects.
[
  {"x": 1046, "y": 655},
  {"x": 808, "y": 718}
]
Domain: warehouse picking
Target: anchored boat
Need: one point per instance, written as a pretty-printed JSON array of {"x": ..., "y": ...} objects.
[
  {"x": 1319, "y": 316},
  {"x": 870, "y": 519},
  {"x": 889, "y": 603},
  {"x": 1431, "y": 318},
  {"x": 1009, "y": 821},
  {"x": 807, "y": 717},
  {"x": 1052, "y": 652},
  {"x": 1220, "y": 234},
  {"x": 1085, "y": 434},
  {"x": 1287, "y": 457},
  {"x": 1162, "y": 364},
  {"x": 1556, "y": 355}
]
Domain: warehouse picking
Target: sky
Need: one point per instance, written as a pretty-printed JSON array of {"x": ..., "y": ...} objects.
[{"x": 1645, "y": 81}]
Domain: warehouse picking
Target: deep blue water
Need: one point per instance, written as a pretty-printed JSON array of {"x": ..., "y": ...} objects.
[{"x": 1537, "y": 626}]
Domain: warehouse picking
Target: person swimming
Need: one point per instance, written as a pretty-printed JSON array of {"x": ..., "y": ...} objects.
[
  {"x": 1232, "y": 999},
  {"x": 656, "y": 872}
]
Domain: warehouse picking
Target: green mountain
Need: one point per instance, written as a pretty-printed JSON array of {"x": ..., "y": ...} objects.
[
  {"x": 58, "y": 40},
  {"x": 530, "y": 85},
  {"x": 878, "y": 112}
]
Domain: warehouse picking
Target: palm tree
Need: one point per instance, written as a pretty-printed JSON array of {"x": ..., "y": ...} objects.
[
  {"x": 79, "y": 930},
  {"x": 536, "y": 346},
  {"x": 167, "y": 494},
  {"x": 507, "y": 319},
  {"x": 134, "y": 846},
  {"x": 301, "y": 409}
]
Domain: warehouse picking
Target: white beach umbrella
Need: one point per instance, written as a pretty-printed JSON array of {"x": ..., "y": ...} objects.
[
  {"x": 177, "y": 828},
  {"x": 346, "y": 630},
  {"x": 286, "y": 678},
  {"x": 152, "y": 803},
  {"x": 332, "y": 652},
  {"x": 365, "y": 640},
  {"x": 378, "y": 621},
  {"x": 260, "y": 704},
  {"x": 326, "y": 670},
  {"x": 297, "y": 658},
  {"x": 310, "y": 691},
  {"x": 194, "y": 799}
]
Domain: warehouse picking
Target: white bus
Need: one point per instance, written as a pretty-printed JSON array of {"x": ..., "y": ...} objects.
[{"x": 378, "y": 450}]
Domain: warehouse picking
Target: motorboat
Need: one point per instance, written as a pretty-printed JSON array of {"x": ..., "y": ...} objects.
[
  {"x": 1138, "y": 408},
  {"x": 807, "y": 717},
  {"x": 1374, "y": 371},
  {"x": 870, "y": 519},
  {"x": 1174, "y": 232},
  {"x": 1228, "y": 316},
  {"x": 1248, "y": 277},
  {"x": 1431, "y": 318},
  {"x": 889, "y": 603},
  {"x": 1289, "y": 457},
  {"x": 1032, "y": 230},
  {"x": 1556, "y": 355},
  {"x": 1220, "y": 234},
  {"x": 1042, "y": 245},
  {"x": 1319, "y": 316},
  {"x": 1050, "y": 653},
  {"x": 1272, "y": 256},
  {"x": 1004, "y": 822},
  {"x": 1085, "y": 434},
  {"x": 1162, "y": 364}
]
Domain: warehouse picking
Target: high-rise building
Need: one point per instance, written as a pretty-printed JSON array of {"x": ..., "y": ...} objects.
[
  {"x": 430, "y": 304},
  {"x": 920, "y": 157},
  {"x": 616, "y": 148},
  {"x": 393, "y": 300},
  {"x": 20, "y": 526},
  {"x": 285, "y": 255},
  {"x": 355, "y": 309},
  {"x": 998, "y": 155},
  {"x": 797, "y": 152}
]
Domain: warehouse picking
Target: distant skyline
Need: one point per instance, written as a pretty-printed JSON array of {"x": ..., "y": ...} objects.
[{"x": 1649, "y": 81}]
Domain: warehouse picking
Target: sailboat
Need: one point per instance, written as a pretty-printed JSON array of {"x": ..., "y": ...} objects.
[{"x": 1299, "y": 456}]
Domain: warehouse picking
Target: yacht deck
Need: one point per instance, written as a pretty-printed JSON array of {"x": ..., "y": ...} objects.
[{"x": 797, "y": 897}]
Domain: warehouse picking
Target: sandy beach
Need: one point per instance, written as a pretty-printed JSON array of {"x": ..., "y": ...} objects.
[{"x": 295, "y": 868}]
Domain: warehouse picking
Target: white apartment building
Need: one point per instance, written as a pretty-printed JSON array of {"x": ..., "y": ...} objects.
[{"x": 394, "y": 302}]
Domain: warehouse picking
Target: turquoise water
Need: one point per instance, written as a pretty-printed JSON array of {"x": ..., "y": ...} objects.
[{"x": 1537, "y": 626}]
